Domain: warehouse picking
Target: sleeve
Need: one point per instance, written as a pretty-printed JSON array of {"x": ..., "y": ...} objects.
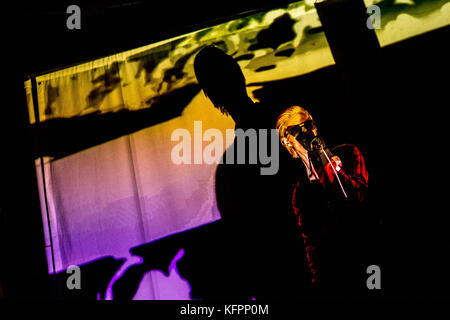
[
  {"x": 353, "y": 174},
  {"x": 310, "y": 232}
]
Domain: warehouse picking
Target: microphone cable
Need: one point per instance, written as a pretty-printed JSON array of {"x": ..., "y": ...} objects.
[{"x": 335, "y": 173}]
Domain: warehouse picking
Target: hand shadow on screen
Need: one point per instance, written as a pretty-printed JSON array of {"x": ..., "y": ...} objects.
[{"x": 205, "y": 263}]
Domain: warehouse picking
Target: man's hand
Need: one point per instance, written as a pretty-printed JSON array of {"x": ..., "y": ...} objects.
[{"x": 337, "y": 165}]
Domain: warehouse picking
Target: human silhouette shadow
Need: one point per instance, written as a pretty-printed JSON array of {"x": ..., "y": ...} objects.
[{"x": 257, "y": 235}]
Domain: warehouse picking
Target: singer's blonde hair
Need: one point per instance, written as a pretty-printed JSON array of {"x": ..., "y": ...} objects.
[{"x": 290, "y": 117}]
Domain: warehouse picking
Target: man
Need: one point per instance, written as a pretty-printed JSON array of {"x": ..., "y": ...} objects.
[{"x": 328, "y": 202}]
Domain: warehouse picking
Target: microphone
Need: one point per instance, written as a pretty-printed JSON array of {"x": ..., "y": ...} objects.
[{"x": 317, "y": 144}]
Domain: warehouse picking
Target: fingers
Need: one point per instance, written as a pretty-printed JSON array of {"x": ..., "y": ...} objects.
[{"x": 337, "y": 163}]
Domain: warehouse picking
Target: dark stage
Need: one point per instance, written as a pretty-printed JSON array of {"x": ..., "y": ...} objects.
[{"x": 101, "y": 103}]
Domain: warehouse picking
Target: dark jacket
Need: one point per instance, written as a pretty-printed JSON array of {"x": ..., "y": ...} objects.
[{"x": 330, "y": 222}]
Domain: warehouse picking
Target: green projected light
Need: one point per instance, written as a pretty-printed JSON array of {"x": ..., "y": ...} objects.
[
  {"x": 272, "y": 45},
  {"x": 403, "y": 19}
]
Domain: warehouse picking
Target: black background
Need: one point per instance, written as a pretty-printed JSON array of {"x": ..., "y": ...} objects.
[{"x": 406, "y": 126}]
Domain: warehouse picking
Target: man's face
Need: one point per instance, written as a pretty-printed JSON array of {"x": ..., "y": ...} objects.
[{"x": 303, "y": 134}]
